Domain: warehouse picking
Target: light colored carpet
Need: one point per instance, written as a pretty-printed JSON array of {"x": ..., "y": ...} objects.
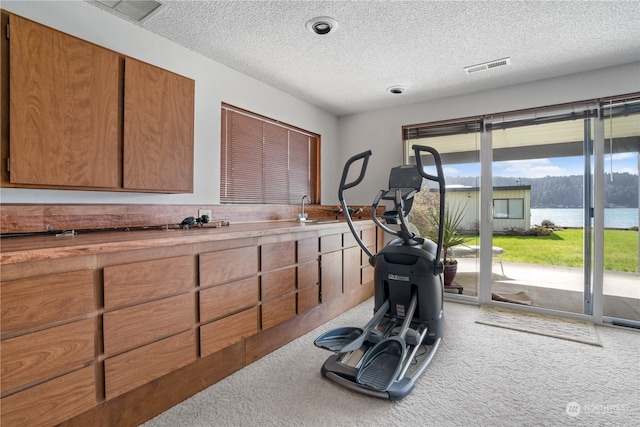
[
  {"x": 566, "y": 329},
  {"x": 480, "y": 376}
]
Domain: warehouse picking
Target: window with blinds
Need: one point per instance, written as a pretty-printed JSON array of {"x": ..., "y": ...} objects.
[{"x": 265, "y": 161}]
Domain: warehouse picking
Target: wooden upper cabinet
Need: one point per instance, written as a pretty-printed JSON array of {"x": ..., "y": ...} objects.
[
  {"x": 158, "y": 129},
  {"x": 64, "y": 104},
  {"x": 84, "y": 117}
]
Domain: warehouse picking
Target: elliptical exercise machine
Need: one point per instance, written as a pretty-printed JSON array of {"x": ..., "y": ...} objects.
[{"x": 386, "y": 356}]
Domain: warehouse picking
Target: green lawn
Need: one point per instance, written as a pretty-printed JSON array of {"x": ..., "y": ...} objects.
[{"x": 566, "y": 248}]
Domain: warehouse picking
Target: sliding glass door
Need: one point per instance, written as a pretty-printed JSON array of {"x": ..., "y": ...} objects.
[
  {"x": 542, "y": 209},
  {"x": 621, "y": 274}
]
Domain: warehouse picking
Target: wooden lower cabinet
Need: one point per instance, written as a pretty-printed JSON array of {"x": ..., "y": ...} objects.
[
  {"x": 279, "y": 310},
  {"x": 142, "y": 365},
  {"x": 277, "y": 283},
  {"x": 222, "y": 300},
  {"x": 51, "y": 402},
  {"x": 227, "y": 331},
  {"x": 308, "y": 298},
  {"x": 131, "y": 327},
  {"x": 138, "y": 331},
  {"x": 45, "y": 354},
  {"x": 40, "y": 301}
]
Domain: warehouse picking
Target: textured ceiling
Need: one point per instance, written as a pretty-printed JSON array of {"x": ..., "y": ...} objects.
[{"x": 421, "y": 44}]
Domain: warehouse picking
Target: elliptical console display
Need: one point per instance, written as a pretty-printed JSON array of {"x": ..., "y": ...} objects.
[{"x": 386, "y": 356}]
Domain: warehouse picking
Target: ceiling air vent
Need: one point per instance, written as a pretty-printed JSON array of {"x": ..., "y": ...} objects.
[
  {"x": 139, "y": 10},
  {"x": 488, "y": 65}
]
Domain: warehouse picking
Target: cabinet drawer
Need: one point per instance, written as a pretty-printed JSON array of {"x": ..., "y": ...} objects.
[
  {"x": 330, "y": 243},
  {"x": 225, "y": 299},
  {"x": 308, "y": 274},
  {"x": 308, "y": 298},
  {"x": 142, "y": 365},
  {"x": 52, "y": 402},
  {"x": 224, "y": 332},
  {"x": 134, "y": 326},
  {"x": 307, "y": 250},
  {"x": 279, "y": 310},
  {"x": 36, "y": 302},
  {"x": 43, "y": 354},
  {"x": 224, "y": 266},
  {"x": 141, "y": 281},
  {"x": 278, "y": 283},
  {"x": 277, "y": 255}
]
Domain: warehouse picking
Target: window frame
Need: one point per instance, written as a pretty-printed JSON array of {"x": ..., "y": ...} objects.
[{"x": 247, "y": 178}]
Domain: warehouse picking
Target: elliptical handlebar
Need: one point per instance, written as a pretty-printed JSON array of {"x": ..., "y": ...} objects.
[
  {"x": 440, "y": 180},
  {"x": 364, "y": 156}
]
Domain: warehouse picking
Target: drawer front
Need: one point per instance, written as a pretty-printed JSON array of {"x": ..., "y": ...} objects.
[
  {"x": 278, "y": 283},
  {"x": 65, "y": 397},
  {"x": 224, "y": 332},
  {"x": 222, "y": 300},
  {"x": 369, "y": 237},
  {"x": 351, "y": 269},
  {"x": 330, "y": 243},
  {"x": 43, "y": 354},
  {"x": 134, "y": 326},
  {"x": 277, "y": 255},
  {"x": 142, "y": 365},
  {"x": 307, "y": 250},
  {"x": 308, "y": 298},
  {"x": 308, "y": 274},
  {"x": 141, "y": 281},
  {"x": 279, "y": 310},
  {"x": 36, "y": 302},
  {"x": 231, "y": 264},
  {"x": 348, "y": 241}
]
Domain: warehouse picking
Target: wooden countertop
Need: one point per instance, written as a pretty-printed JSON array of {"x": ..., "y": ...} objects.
[{"x": 44, "y": 247}]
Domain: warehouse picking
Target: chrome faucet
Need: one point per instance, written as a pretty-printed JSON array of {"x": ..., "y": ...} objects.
[{"x": 303, "y": 216}]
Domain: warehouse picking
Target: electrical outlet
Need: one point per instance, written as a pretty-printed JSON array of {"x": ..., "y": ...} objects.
[{"x": 205, "y": 212}]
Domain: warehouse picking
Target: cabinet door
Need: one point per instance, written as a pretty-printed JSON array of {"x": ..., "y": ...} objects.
[
  {"x": 63, "y": 109},
  {"x": 158, "y": 129},
  {"x": 351, "y": 269},
  {"x": 331, "y": 276}
]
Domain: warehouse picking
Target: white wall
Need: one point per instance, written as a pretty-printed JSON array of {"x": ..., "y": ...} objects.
[
  {"x": 380, "y": 130},
  {"x": 215, "y": 83}
]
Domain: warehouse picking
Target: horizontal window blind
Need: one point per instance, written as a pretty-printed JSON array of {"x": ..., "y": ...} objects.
[{"x": 265, "y": 161}]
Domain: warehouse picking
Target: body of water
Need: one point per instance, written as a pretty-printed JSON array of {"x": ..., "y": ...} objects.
[{"x": 613, "y": 218}]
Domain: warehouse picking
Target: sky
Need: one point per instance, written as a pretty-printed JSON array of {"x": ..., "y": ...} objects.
[{"x": 538, "y": 168}]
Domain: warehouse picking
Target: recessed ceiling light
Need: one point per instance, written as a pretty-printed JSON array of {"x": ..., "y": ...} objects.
[
  {"x": 396, "y": 89},
  {"x": 322, "y": 25}
]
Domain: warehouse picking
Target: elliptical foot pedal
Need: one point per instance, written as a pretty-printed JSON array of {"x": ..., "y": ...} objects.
[
  {"x": 381, "y": 365},
  {"x": 337, "y": 339}
]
